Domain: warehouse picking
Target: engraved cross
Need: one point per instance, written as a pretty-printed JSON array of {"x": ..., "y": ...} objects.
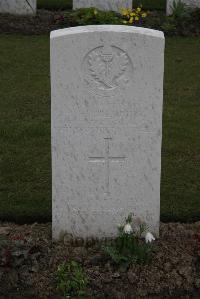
[{"x": 106, "y": 159}]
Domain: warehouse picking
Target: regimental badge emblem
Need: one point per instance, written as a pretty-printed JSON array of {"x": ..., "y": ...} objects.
[{"x": 106, "y": 69}]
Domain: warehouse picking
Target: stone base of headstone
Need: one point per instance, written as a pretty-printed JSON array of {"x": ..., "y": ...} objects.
[
  {"x": 189, "y": 3},
  {"x": 18, "y": 7},
  {"x": 113, "y": 5}
]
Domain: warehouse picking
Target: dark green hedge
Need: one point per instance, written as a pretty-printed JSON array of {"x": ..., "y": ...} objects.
[
  {"x": 67, "y": 4},
  {"x": 54, "y": 4}
]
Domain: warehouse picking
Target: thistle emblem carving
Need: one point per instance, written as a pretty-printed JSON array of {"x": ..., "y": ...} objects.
[{"x": 107, "y": 68}]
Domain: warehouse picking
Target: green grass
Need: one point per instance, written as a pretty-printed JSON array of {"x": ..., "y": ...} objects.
[
  {"x": 67, "y": 4},
  {"x": 25, "y": 184},
  {"x": 25, "y": 162},
  {"x": 180, "y": 188}
]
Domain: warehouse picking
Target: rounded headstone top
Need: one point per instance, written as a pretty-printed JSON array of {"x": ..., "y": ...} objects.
[{"x": 106, "y": 28}]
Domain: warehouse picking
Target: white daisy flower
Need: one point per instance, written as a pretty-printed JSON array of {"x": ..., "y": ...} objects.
[
  {"x": 149, "y": 237},
  {"x": 128, "y": 229}
]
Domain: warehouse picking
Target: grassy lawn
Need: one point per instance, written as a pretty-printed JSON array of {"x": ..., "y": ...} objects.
[
  {"x": 25, "y": 162},
  {"x": 25, "y": 180},
  {"x": 67, "y": 4}
]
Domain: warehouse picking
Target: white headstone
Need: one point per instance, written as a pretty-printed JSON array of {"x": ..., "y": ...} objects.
[
  {"x": 18, "y": 7},
  {"x": 107, "y": 94},
  {"x": 189, "y": 3},
  {"x": 114, "y": 5}
]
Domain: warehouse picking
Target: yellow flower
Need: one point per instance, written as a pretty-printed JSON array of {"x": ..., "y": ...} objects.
[
  {"x": 144, "y": 14},
  {"x": 138, "y": 9},
  {"x": 132, "y": 14},
  {"x": 124, "y": 22},
  {"x": 137, "y": 18},
  {"x": 131, "y": 20},
  {"x": 124, "y": 12}
]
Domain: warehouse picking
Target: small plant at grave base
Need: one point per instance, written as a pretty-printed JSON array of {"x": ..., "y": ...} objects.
[
  {"x": 88, "y": 16},
  {"x": 72, "y": 280},
  {"x": 179, "y": 10},
  {"x": 179, "y": 20},
  {"x": 129, "y": 247},
  {"x": 93, "y": 16},
  {"x": 169, "y": 27},
  {"x": 133, "y": 16},
  {"x": 183, "y": 21}
]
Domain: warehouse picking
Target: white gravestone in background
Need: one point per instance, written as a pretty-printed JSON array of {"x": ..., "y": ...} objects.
[
  {"x": 107, "y": 94},
  {"x": 114, "y": 5},
  {"x": 18, "y": 7},
  {"x": 189, "y": 3}
]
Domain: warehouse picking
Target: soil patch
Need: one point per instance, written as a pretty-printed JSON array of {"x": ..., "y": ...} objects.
[
  {"x": 43, "y": 22},
  {"x": 174, "y": 271}
]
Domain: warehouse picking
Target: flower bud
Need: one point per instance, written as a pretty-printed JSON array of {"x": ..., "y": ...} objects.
[
  {"x": 128, "y": 229},
  {"x": 149, "y": 237}
]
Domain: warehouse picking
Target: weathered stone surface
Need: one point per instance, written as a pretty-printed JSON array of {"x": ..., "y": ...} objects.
[
  {"x": 18, "y": 7},
  {"x": 189, "y": 3},
  {"x": 114, "y": 5},
  {"x": 107, "y": 92}
]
